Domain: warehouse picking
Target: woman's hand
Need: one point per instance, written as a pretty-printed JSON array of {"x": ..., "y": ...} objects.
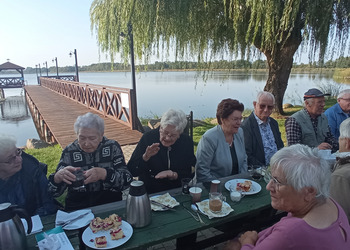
[
  {"x": 151, "y": 151},
  {"x": 167, "y": 174},
  {"x": 95, "y": 174},
  {"x": 66, "y": 175},
  {"x": 249, "y": 237}
]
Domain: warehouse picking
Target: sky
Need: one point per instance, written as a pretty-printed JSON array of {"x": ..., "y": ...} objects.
[{"x": 36, "y": 31}]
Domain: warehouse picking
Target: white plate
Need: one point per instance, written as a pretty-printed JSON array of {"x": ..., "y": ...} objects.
[
  {"x": 204, "y": 208},
  {"x": 89, "y": 235},
  {"x": 79, "y": 223},
  {"x": 167, "y": 200},
  {"x": 255, "y": 188}
]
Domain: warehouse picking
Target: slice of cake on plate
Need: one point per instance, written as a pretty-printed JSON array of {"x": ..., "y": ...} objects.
[
  {"x": 116, "y": 233},
  {"x": 101, "y": 241}
]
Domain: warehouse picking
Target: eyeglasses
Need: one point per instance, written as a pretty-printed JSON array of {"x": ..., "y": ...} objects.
[
  {"x": 13, "y": 158},
  {"x": 167, "y": 134},
  {"x": 263, "y": 106},
  {"x": 345, "y": 99},
  {"x": 275, "y": 182}
]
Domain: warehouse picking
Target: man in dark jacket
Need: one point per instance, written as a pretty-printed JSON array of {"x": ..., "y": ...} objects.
[
  {"x": 261, "y": 133},
  {"x": 23, "y": 180}
]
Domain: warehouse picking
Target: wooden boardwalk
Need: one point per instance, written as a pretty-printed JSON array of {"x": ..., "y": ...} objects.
[{"x": 60, "y": 113}]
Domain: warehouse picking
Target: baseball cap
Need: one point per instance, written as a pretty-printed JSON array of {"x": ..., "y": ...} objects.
[{"x": 313, "y": 93}]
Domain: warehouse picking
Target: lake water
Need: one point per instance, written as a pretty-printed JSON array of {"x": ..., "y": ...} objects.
[{"x": 159, "y": 91}]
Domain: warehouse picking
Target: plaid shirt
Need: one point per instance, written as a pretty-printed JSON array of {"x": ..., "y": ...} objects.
[{"x": 293, "y": 131}]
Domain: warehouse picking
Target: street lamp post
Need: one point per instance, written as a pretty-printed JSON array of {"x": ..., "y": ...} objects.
[
  {"x": 47, "y": 70},
  {"x": 55, "y": 59},
  {"x": 76, "y": 64},
  {"x": 39, "y": 69},
  {"x": 36, "y": 71}
]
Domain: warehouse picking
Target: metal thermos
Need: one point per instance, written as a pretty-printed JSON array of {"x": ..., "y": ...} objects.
[
  {"x": 138, "y": 206},
  {"x": 12, "y": 235}
]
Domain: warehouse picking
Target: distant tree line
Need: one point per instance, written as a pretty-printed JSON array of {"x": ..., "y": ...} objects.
[{"x": 342, "y": 62}]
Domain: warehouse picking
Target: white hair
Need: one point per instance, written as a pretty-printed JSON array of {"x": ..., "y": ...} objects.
[
  {"x": 7, "y": 142},
  {"x": 343, "y": 92},
  {"x": 302, "y": 168},
  {"x": 265, "y": 94},
  {"x": 344, "y": 129},
  {"x": 175, "y": 118},
  {"x": 89, "y": 120}
]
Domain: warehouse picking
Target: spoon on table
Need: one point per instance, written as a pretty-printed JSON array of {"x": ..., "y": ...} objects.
[{"x": 195, "y": 208}]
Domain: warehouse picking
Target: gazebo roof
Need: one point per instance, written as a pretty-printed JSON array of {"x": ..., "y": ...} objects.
[{"x": 8, "y": 65}]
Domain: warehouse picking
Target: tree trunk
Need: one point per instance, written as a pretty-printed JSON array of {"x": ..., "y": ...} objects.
[{"x": 280, "y": 66}]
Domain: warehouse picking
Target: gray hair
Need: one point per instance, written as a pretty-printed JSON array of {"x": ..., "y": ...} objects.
[
  {"x": 302, "y": 168},
  {"x": 175, "y": 118},
  {"x": 343, "y": 92},
  {"x": 344, "y": 129},
  {"x": 265, "y": 94},
  {"x": 308, "y": 101},
  {"x": 7, "y": 142},
  {"x": 89, "y": 120}
]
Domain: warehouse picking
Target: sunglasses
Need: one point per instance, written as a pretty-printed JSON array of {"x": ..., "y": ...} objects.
[{"x": 264, "y": 106}]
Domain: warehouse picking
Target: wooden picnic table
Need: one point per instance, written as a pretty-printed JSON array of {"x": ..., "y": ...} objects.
[{"x": 252, "y": 211}]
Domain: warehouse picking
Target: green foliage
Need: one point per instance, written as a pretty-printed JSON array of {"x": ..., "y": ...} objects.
[
  {"x": 49, "y": 155},
  {"x": 201, "y": 29}
]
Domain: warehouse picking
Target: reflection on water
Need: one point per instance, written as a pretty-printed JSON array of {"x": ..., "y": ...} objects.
[
  {"x": 14, "y": 108},
  {"x": 16, "y": 119}
]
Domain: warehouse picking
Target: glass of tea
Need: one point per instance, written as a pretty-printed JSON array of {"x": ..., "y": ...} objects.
[
  {"x": 78, "y": 184},
  {"x": 215, "y": 202}
]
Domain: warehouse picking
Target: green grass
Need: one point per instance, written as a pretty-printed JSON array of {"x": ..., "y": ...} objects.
[{"x": 49, "y": 155}]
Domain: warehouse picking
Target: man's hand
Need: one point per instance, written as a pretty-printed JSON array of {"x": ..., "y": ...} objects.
[{"x": 324, "y": 145}]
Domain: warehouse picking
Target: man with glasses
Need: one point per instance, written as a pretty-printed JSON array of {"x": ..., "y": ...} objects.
[
  {"x": 261, "y": 133},
  {"x": 309, "y": 126},
  {"x": 338, "y": 112},
  {"x": 22, "y": 180}
]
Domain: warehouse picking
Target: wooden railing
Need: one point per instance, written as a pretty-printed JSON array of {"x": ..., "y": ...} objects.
[
  {"x": 61, "y": 77},
  {"x": 11, "y": 82},
  {"x": 112, "y": 102}
]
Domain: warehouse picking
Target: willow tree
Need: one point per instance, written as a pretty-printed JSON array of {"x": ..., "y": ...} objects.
[{"x": 206, "y": 29}]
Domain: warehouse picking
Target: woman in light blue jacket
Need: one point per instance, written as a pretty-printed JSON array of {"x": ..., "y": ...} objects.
[{"x": 221, "y": 150}]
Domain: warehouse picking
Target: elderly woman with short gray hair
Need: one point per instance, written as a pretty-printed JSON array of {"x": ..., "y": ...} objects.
[
  {"x": 164, "y": 155},
  {"x": 102, "y": 162},
  {"x": 299, "y": 184}
]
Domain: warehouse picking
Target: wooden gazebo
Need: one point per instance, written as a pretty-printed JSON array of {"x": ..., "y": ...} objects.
[{"x": 11, "y": 82}]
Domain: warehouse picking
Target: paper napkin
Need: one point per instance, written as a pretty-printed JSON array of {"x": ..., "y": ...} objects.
[
  {"x": 62, "y": 217},
  {"x": 204, "y": 209},
  {"x": 165, "y": 199},
  {"x": 36, "y": 222}
]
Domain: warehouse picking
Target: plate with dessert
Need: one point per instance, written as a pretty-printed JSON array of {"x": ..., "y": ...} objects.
[
  {"x": 246, "y": 186},
  {"x": 107, "y": 233}
]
